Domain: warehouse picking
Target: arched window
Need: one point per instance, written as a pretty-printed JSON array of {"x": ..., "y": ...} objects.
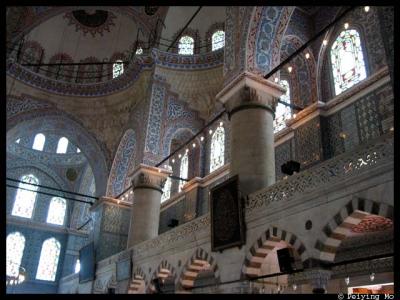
[
  {"x": 218, "y": 40},
  {"x": 217, "y": 148},
  {"x": 15, "y": 249},
  {"x": 38, "y": 142},
  {"x": 26, "y": 197},
  {"x": 183, "y": 173},
  {"x": 118, "y": 68},
  {"x": 186, "y": 45},
  {"x": 347, "y": 59},
  {"x": 48, "y": 261},
  {"x": 282, "y": 112},
  {"x": 167, "y": 188},
  {"x": 77, "y": 266},
  {"x": 62, "y": 145},
  {"x": 56, "y": 212}
]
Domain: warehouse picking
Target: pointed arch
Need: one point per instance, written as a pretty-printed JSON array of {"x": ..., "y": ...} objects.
[
  {"x": 340, "y": 226},
  {"x": 164, "y": 270},
  {"x": 200, "y": 260},
  {"x": 138, "y": 282},
  {"x": 265, "y": 245},
  {"x": 48, "y": 262},
  {"x": 123, "y": 159}
]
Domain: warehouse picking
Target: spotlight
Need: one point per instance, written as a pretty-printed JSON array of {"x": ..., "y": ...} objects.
[{"x": 347, "y": 280}]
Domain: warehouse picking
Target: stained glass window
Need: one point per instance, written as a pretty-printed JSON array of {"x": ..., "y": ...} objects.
[
  {"x": 139, "y": 50},
  {"x": 118, "y": 68},
  {"x": 282, "y": 112},
  {"x": 217, "y": 148},
  {"x": 77, "y": 266},
  {"x": 62, "y": 145},
  {"x": 38, "y": 142},
  {"x": 48, "y": 261},
  {"x": 183, "y": 170},
  {"x": 347, "y": 59},
  {"x": 167, "y": 188},
  {"x": 15, "y": 249},
  {"x": 186, "y": 45},
  {"x": 218, "y": 40},
  {"x": 26, "y": 197},
  {"x": 56, "y": 212}
]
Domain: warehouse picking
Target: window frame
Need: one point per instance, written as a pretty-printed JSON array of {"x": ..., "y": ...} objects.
[
  {"x": 34, "y": 203},
  {"x": 332, "y": 38},
  {"x": 57, "y": 263},
  {"x": 212, "y": 44},
  {"x": 34, "y": 139},
  {"x": 65, "y": 212},
  {"x": 194, "y": 44}
]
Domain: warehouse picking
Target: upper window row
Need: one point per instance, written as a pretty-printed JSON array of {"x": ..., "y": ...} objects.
[
  {"x": 26, "y": 197},
  {"x": 40, "y": 139},
  {"x": 186, "y": 43}
]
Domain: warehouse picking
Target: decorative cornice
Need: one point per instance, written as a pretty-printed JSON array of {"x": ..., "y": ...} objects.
[{"x": 188, "y": 62}]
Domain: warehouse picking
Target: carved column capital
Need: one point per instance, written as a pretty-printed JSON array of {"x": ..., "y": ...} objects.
[
  {"x": 149, "y": 177},
  {"x": 250, "y": 91}
]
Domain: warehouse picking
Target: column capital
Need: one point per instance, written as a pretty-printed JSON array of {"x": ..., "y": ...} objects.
[
  {"x": 149, "y": 177},
  {"x": 250, "y": 89}
]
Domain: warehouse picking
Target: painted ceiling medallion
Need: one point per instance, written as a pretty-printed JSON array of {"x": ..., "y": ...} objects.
[{"x": 93, "y": 21}]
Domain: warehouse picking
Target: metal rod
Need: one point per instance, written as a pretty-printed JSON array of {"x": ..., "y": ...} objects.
[
  {"x": 51, "y": 188},
  {"x": 80, "y": 227},
  {"x": 179, "y": 178},
  {"x": 48, "y": 194},
  {"x": 291, "y": 105},
  {"x": 76, "y": 64},
  {"x": 187, "y": 24},
  {"x": 320, "y": 33}
]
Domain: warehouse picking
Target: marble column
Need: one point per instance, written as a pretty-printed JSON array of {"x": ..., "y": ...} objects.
[
  {"x": 147, "y": 184},
  {"x": 250, "y": 101}
]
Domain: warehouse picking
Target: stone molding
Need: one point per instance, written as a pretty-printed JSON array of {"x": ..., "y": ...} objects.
[
  {"x": 149, "y": 177},
  {"x": 260, "y": 91},
  {"x": 341, "y": 167}
]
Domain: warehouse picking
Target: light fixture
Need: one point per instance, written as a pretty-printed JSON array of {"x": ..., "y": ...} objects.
[
  {"x": 346, "y": 25},
  {"x": 347, "y": 280},
  {"x": 210, "y": 131},
  {"x": 180, "y": 155},
  {"x": 173, "y": 160},
  {"x": 343, "y": 135},
  {"x": 276, "y": 79},
  {"x": 194, "y": 145},
  {"x": 366, "y": 8},
  {"x": 294, "y": 286},
  {"x": 187, "y": 150},
  {"x": 202, "y": 138},
  {"x": 159, "y": 170},
  {"x": 307, "y": 55},
  {"x": 221, "y": 123},
  {"x": 131, "y": 192},
  {"x": 289, "y": 69},
  {"x": 391, "y": 128},
  {"x": 372, "y": 276},
  {"x": 294, "y": 116},
  {"x": 325, "y": 42}
]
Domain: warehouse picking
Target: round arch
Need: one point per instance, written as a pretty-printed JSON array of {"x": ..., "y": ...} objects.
[{"x": 60, "y": 123}]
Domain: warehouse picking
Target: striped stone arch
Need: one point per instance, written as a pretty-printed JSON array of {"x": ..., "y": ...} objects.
[
  {"x": 339, "y": 227},
  {"x": 200, "y": 260},
  {"x": 266, "y": 244},
  {"x": 164, "y": 270},
  {"x": 138, "y": 282}
]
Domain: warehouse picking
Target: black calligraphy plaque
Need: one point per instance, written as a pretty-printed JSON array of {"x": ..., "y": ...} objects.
[{"x": 227, "y": 222}]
